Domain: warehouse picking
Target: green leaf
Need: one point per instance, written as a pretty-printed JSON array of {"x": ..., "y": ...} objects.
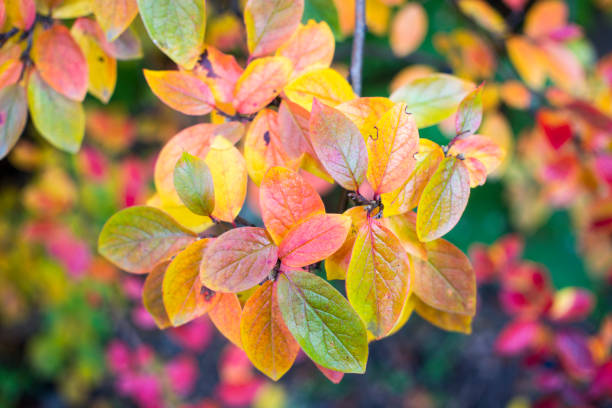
[
  {"x": 152, "y": 297},
  {"x": 58, "y": 119},
  {"x": 469, "y": 114},
  {"x": 322, "y": 322},
  {"x": 138, "y": 238},
  {"x": 433, "y": 98},
  {"x": 177, "y": 27},
  {"x": 13, "y": 116},
  {"x": 194, "y": 184},
  {"x": 323, "y": 10}
]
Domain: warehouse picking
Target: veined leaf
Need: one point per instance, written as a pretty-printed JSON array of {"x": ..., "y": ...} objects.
[
  {"x": 432, "y": 98},
  {"x": 13, "y": 116},
  {"x": 482, "y": 156},
  {"x": 444, "y": 320},
  {"x": 266, "y": 339},
  {"x": 325, "y": 84},
  {"x": 59, "y": 120},
  {"x": 391, "y": 145},
  {"x": 322, "y": 322},
  {"x": 181, "y": 214},
  {"x": 152, "y": 296},
  {"x": 60, "y": 62},
  {"x": 270, "y": 23},
  {"x": 226, "y": 317},
  {"x": 221, "y": 72},
  {"x": 445, "y": 280},
  {"x": 443, "y": 200},
  {"x": 261, "y": 82},
  {"x": 185, "y": 298},
  {"x": 238, "y": 260},
  {"x": 365, "y": 112},
  {"x": 194, "y": 184},
  {"x": 314, "y": 239},
  {"x": 182, "y": 91},
  {"x": 176, "y": 27},
  {"x": 339, "y": 145},
  {"x": 336, "y": 265},
  {"x": 378, "y": 278},
  {"x": 115, "y": 16},
  {"x": 294, "y": 122},
  {"x": 286, "y": 200},
  {"x": 406, "y": 197},
  {"x": 469, "y": 114},
  {"x": 331, "y": 375},
  {"x": 403, "y": 226},
  {"x": 138, "y": 238},
  {"x": 311, "y": 46},
  {"x": 405, "y": 314}
]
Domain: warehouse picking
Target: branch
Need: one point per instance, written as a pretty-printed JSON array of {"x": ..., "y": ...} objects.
[{"x": 358, "y": 41}]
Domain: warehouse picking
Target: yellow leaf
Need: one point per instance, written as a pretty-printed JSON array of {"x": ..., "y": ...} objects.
[
  {"x": 378, "y": 15},
  {"x": 114, "y": 16},
  {"x": 337, "y": 264},
  {"x": 403, "y": 227},
  {"x": 485, "y": 15},
  {"x": 226, "y": 317},
  {"x": 327, "y": 85},
  {"x": 528, "y": 60},
  {"x": 444, "y": 320},
  {"x": 365, "y": 112}
]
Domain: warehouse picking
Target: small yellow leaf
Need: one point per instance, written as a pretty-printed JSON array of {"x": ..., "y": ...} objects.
[{"x": 327, "y": 85}]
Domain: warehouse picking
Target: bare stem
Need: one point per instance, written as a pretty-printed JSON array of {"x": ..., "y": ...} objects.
[{"x": 358, "y": 41}]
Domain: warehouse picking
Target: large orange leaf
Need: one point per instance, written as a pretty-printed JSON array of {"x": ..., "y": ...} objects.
[
  {"x": 336, "y": 265},
  {"x": 325, "y": 84},
  {"x": 443, "y": 200},
  {"x": 114, "y": 16},
  {"x": 221, "y": 72},
  {"x": 182, "y": 91},
  {"x": 138, "y": 238},
  {"x": 444, "y": 320},
  {"x": 365, "y": 112},
  {"x": 226, "y": 317},
  {"x": 238, "y": 260},
  {"x": 286, "y": 200},
  {"x": 152, "y": 296},
  {"x": 322, "y": 322},
  {"x": 339, "y": 145},
  {"x": 61, "y": 62},
  {"x": 484, "y": 150},
  {"x": 270, "y": 23},
  {"x": 185, "y": 298},
  {"x": 445, "y": 280},
  {"x": 311, "y": 46},
  {"x": 314, "y": 239},
  {"x": 261, "y": 82},
  {"x": 391, "y": 145},
  {"x": 407, "y": 196},
  {"x": 408, "y": 29},
  {"x": 266, "y": 339},
  {"x": 378, "y": 278},
  {"x": 545, "y": 17}
]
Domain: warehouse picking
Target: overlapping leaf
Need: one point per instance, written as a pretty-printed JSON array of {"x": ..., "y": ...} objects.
[
  {"x": 13, "y": 115},
  {"x": 270, "y": 23},
  {"x": 152, "y": 296},
  {"x": 311, "y": 46},
  {"x": 365, "y": 112},
  {"x": 194, "y": 184},
  {"x": 469, "y": 114},
  {"x": 444, "y": 320},
  {"x": 336, "y": 265},
  {"x": 114, "y": 16},
  {"x": 225, "y": 315},
  {"x": 483, "y": 156},
  {"x": 182, "y": 91},
  {"x": 325, "y": 84}
]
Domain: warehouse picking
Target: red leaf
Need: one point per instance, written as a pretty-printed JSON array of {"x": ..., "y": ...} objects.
[
  {"x": 556, "y": 128},
  {"x": 517, "y": 337}
]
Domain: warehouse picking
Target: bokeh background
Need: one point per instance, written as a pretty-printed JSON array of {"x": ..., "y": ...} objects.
[{"x": 73, "y": 331}]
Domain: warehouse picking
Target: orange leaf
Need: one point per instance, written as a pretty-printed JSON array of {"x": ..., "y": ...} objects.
[
  {"x": 443, "y": 200},
  {"x": 182, "y": 91},
  {"x": 220, "y": 71},
  {"x": 226, "y": 317},
  {"x": 392, "y": 144},
  {"x": 152, "y": 296},
  {"x": 444, "y": 320},
  {"x": 331, "y": 375},
  {"x": 314, "y": 239},
  {"x": 482, "y": 149},
  {"x": 445, "y": 280},
  {"x": 286, "y": 200},
  {"x": 261, "y": 82},
  {"x": 311, "y": 46},
  {"x": 545, "y": 17},
  {"x": 10, "y": 64},
  {"x": 407, "y": 196},
  {"x": 528, "y": 60},
  {"x": 339, "y": 145},
  {"x": 378, "y": 278},
  {"x": 266, "y": 339},
  {"x": 114, "y": 16},
  {"x": 60, "y": 62},
  {"x": 270, "y": 23},
  {"x": 185, "y": 298},
  {"x": 325, "y": 84},
  {"x": 365, "y": 112},
  {"x": 238, "y": 260},
  {"x": 21, "y": 13},
  {"x": 408, "y": 29},
  {"x": 337, "y": 264},
  {"x": 294, "y": 122},
  {"x": 403, "y": 227}
]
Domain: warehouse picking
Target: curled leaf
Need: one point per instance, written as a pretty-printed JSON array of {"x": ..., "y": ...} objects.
[{"x": 152, "y": 296}]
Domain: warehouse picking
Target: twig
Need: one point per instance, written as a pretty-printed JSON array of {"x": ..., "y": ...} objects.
[{"x": 358, "y": 41}]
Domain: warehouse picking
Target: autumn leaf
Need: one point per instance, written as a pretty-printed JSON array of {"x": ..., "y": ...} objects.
[
  {"x": 432, "y": 98},
  {"x": 10, "y": 64},
  {"x": 365, "y": 112},
  {"x": 126, "y": 47},
  {"x": 238, "y": 260},
  {"x": 225, "y": 315},
  {"x": 114, "y": 16},
  {"x": 314, "y": 239},
  {"x": 294, "y": 129},
  {"x": 339, "y": 145},
  {"x": 331, "y": 375},
  {"x": 528, "y": 60},
  {"x": 444, "y": 320},
  {"x": 152, "y": 296},
  {"x": 181, "y": 214},
  {"x": 322, "y": 322},
  {"x": 406, "y": 197},
  {"x": 405, "y": 314},
  {"x": 325, "y": 84},
  {"x": 13, "y": 116},
  {"x": 194, "y": 184},
  {"x": 403, "y": 226},
  {"x": 485, "y": 15},
  {"x": 261, "y": 82},
  {"x": 445, "y": 280},
  {"x": 270, "y": 23},
  {"x": 378, "y": 278},
  {"x": 443, "y": 200},
  {"x": 182, "y": 91},
  {"x": 408, "y": 29},
  {"x": 266, "y": 339},
  {"x": 60, "y": 120},
  {"x": 138, "y": 238},
  {"x": 286, "y": 200},
  {"x": 60, "y": 62},
  {"x": 68, "y": 9},
  {"x": 336, "y": 265},
  {"x": 469, "y": 114},
  {"x": 21, "y": 13},
  {"x": 311, "y": 46},
  {"x": 185, "y": 298},
  {"x": 391, "y": 148},
  {"x": 176, "y": 27},
  {"x": 545, "y": 17},
  {"x": 482, "y": 157}
]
